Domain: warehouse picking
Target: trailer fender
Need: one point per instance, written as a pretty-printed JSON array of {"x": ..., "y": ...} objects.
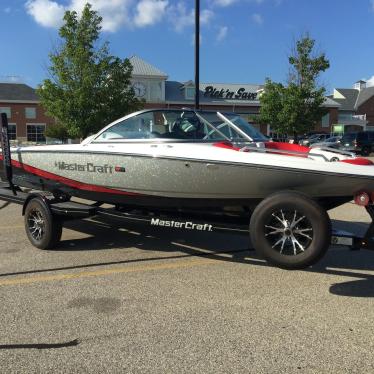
[{"x": 43, "y": 198}]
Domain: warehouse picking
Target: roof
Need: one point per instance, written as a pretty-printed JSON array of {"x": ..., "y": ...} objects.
[
  {"x": 329, "y": 102},
  {"x": 365, "y": 94},
  {"x": 17, "y": 92},
  {"x": 141, "y": 67},
  {"x": 353, "y": 98},
  {"x": 350, "y": 95}
]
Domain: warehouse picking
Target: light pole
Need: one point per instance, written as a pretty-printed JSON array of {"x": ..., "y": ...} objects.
[{"x": 197, "y": 53}]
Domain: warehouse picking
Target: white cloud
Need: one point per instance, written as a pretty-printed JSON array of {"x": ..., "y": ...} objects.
[
  {"x": 116, "y": 13},
  {"x": 206, "y": 16},
  {"x": 49, "y": 13},
  {"x": 181, "y": 17},
  {"x": 222, "y": 33},
  {"x": 372, "y": 4},
  {"x": 257, "y": 19},
  {"x": 225, "y": 2},
  {"x": 7, "y": 10},
  {"x": 370, "y": 81},
  {"x": 45, "y": 12},
  {"x": 149, "y": 12}
]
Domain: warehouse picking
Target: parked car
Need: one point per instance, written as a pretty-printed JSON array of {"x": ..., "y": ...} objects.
[
  {"x": 316, "y": 138},
  {"x": 359, "y": 142},
  {"x": 332, "y": 142}
]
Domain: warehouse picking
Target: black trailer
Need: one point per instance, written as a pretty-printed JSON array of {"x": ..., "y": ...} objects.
[{"x": 45, "y": 213}]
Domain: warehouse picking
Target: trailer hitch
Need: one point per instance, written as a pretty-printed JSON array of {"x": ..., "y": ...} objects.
[
  {"x": 354, "y": 242},
  {"x": 367, "y": 241}
]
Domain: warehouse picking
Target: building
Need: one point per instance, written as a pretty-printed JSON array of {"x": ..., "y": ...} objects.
[
  {"x": 26, "y": 117},
  {"x": 151, "y": 84},
  {"x": 347, "y": 108},
  {"x": 356, "y": 109}
]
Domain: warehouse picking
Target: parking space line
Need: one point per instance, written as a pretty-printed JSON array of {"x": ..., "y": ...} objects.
[{"x": 87, "y": 274}]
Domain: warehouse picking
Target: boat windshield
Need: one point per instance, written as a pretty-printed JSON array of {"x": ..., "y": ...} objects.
[{"x": 182, "y": 125}]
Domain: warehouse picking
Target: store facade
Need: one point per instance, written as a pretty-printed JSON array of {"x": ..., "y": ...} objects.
[{"x": 152, "y": 85}]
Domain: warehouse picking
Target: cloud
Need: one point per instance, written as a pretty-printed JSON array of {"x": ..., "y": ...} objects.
[
  {"x": 370, "y": 81},
  {"x": 257, "y": 19},
  {"x": 225, "y": 3},
  {"x": 206, "y": 16},
  {"x": 149, "y": 12},
  {"x": 222, "y": 33},
  {"x": 115, "y": 13},
  {"x": 45, "y": 12},
  {"x": 181, "y": 17},
  {"x": 7, "y": 10},
  {"x": 49, "y": 13},
  {"x": 372, "y": 4}
]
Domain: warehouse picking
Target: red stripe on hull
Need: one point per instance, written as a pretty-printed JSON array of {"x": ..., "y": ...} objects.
[{"x": 69, "y": 182}]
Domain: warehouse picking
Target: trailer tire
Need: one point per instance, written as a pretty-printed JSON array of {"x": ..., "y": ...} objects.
[
  {"x": 42, "y": 228},
  {"x": 290, "y": 230}
]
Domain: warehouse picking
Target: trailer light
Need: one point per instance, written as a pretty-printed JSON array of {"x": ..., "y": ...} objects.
[{"x": 362, "y": 199}]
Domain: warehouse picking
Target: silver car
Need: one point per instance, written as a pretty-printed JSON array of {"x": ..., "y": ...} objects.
[{"x": 332, "y": 142}]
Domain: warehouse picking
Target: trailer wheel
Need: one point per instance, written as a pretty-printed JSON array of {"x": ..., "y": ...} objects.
[
  {"x": 43, "y": 230},
  {"x": 290, "y": 230}
]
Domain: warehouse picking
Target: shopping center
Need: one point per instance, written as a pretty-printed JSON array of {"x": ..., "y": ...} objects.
[
  {"x": 348, "y": 109},
  {"x": 151, "y": 84}
]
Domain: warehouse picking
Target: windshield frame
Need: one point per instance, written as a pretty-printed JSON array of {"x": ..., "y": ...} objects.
[{"x": 199, "y": 114}]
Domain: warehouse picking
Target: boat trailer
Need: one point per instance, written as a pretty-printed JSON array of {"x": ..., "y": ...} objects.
[{"x": 59, "y": 209}]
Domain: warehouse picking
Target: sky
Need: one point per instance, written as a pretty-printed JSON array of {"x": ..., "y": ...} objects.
[{"x": 242, "y": 41}]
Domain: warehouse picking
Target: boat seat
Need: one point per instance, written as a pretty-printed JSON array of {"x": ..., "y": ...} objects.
[{"x": 302, "y": 150}]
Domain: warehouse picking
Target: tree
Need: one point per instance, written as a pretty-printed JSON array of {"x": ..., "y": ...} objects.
[
  {"x": 88, "y": 87},
  {"x": 57, "y": 131},
  {"x": 295, "y": 108}
]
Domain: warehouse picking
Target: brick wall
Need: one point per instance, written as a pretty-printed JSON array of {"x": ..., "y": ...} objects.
[
  {"x": 18, "y": 116},
  {"x": 367, "y": 108},
  {"x": 333, "y": 119}
]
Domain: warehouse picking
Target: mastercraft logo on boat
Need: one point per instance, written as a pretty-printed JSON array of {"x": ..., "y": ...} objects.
[{"x": 89, "y": 167}]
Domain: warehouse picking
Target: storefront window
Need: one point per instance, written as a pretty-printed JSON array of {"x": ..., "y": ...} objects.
[
  {"x": 12, "y": 131},
  {"x": 35, "y": 133}
]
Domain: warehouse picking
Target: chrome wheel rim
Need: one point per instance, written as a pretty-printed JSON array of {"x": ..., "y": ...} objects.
[
  {"x": 36, "y": 224},
  {"x": 289, "y": 232}
]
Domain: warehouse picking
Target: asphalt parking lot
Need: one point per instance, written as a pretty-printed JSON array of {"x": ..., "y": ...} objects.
[{"x": 140, "y": 300}]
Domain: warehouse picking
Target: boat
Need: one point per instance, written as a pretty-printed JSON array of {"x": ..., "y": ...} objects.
[
  {"x": 184, "y": 158},
  {"x": 200, "y": 165}
]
